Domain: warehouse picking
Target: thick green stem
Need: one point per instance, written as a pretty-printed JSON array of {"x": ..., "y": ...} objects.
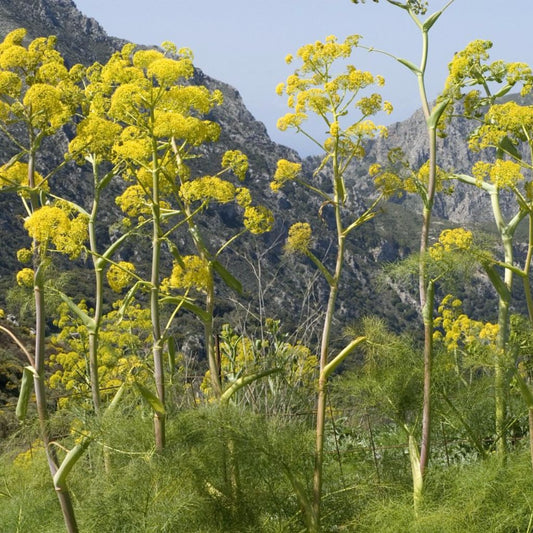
[
  {"x": 324, "y": 356},
  {"x": 93, "y": 334},
  {"x": 39, "y": 378},
  {"x": 214, "y": 366},
  {"x": 425, "y": 287},
  {"x": 157, "y": 346}
]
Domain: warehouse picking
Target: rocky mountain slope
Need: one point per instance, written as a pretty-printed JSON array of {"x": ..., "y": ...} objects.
[{"x": 284, "y": 283}]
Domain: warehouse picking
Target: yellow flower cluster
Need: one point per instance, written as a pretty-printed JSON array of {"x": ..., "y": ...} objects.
[
  {"x": 243, "y": 196},
  {"x": 465, "y": 64},
  {"x": 503, "y": 174},
  {"x": 95, "y": 136},
  {"x": 237, "y": 162},
  {"x": 25, "y": 277},
  {"x": 119, "y": 275},
  {"x": 133, "y": 202},
  {"x": 285, "y": 171},
  {"x": 504, "y": 120},
  {"x": 24, "y": 255},
  {"x": 35, "y": 85},
  {"x": 207, "y": 188},
  {"x": 123, "y": 344},
  {"x": 57, "y": 226},
  {"x": 313, "y": 88},
  {"x": 258, "y": 219},
  {"x": 146, "y": 89},
  {"x": 450, "y": 241},
  {"x": 299, "y": 238},
  {"x": 193, "y": 272},
  {"x": 16, "y": 175},
  {"x": 133, "y": 145},
  {"x": 457, "y": 329}
]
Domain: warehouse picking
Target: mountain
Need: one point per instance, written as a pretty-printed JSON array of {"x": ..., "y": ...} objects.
[{"x": 287, "y": 287}]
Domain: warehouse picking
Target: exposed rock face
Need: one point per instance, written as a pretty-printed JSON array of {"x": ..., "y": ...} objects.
[{"x": 80, "y": 39}]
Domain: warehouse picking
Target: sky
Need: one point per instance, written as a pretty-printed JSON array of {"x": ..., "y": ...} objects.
[{"x": 245, "y": 42}]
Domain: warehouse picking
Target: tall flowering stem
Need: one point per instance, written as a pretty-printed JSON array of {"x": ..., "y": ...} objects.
[
  {"x": 316, "y": 88},
  {"x": 503, "y": 127},
  {"x": 433, "y": 115},
  {"x": 39, "y": 95}
]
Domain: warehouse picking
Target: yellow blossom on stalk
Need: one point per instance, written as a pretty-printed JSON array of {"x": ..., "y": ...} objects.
[
  {"x": 456, "y": 329},
  {"x": 133, "y": 201},
  {"x": 370, "y": 105},
  {"x": 503, "y": 174},
  {"x": 451, "y": 240},
  {"x": 119, "y": 276},
  {"x": 15, "y": 58},
  {"x": 48, "y": 110},
  {"x": 470, "y": 67},
  {"x": 291, "y": 120},
  {"x": 52, "y": 73},
  {"x": 465, "y": 62},
  {"x": 285, "y": 171},
  {"x": 126, "y": 101},
  {"x": 10, "y": 84},
  {"x": 243, "y": 196},
  {"x": 16, "y": 175},
  {"x": 51, "y": 224},
  {"x": 132, "y": 145},
  {"x": 95, "y": 136},
  {"x": 389, "y": 183},
  {"x": 24, "y": 255},
  {"x": 207, "y": 188},
  {"x": 169, "y": 71},
  {"x": 143, "y": 58},
  {"x": 509, "y": 120},
  {"x": 186, "y": 128},
  {"x": 237, "y": 162},
  {"x": 193, "y": 272},
  {"x": 25, "y": 277},
  {"x": 299, "y": 238},
  {"x": 420, "y": 179},
  {"x": 258, "y": 219},
  {"x": 2, "y": 313},
  {"x": 184, "y": 99}
]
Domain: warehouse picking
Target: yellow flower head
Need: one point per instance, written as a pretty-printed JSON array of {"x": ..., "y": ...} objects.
[
  {"x": 258, "y": 219},
  {"x": 48, "y": 108},
  {"x": 237, "y": 162},
  {"x": 299, "y": 238},
  {"x": 119, "y": 276},
  {"x": 207, "y": 188},
  {"x": 16, "y": 175},
  {"x": 450, "y": 241},
  {"x": 95, "y": 136},
  {"x": 24, "y": 255},
  {"x": 168, "y": 71},
  {"x": 54, "y": 225},
  {"x": 193, "y": 272},
  {"x": 285, "y": 171},
  {"x": 503, "y": 174},
  {"x": 133, "y": 201},
  {"x": 25, "y": 277}
]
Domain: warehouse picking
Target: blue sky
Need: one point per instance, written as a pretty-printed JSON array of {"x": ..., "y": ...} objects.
[{"x": 244, "y": 42}]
